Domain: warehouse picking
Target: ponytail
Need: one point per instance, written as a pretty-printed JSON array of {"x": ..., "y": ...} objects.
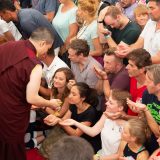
[{"x": 90, "y": 94}]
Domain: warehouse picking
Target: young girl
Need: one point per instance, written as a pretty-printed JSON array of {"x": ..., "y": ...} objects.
[
  {"x": 83, "y": 101},
  {"x": 60, "y": 90},
  {"x": 87, "y": 10},
  {"x": 134, "y": 136},
  {"x": 110, "y": 129},
  {"x": 141, "y": 15}
]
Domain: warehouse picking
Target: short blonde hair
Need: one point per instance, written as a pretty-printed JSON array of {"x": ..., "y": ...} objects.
[
  {"x": 139, "y": 129},
  {"x": 141, "y": 9}
]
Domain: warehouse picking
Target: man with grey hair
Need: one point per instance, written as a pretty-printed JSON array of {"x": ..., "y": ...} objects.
[
  {"x": 20, "y": 76},
  {"x": 151, "y": 103}
]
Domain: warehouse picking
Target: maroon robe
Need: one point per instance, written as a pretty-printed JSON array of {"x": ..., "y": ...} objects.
[{"x": 17, "y": 59}]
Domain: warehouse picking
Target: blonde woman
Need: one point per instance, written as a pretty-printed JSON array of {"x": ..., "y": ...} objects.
[{"x": 88, "y": 11}]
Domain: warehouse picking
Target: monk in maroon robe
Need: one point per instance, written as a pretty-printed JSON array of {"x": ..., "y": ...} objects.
[{"x": 20, "y": 77}]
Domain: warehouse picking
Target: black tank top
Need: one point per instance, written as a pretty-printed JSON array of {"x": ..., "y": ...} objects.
[{"x": 129, "y": 153}]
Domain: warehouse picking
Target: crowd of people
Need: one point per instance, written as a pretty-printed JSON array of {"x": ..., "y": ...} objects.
[{"x": 80, "y": 79}]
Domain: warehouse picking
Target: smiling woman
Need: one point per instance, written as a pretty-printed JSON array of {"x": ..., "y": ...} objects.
[{"x": 60, "y": 90}]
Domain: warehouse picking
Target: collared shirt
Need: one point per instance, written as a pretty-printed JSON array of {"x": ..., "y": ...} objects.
[
  {"x": 87, "y": 74},
  {"x": 48, "y": 72},
  {"x": 151, "y": 37}
]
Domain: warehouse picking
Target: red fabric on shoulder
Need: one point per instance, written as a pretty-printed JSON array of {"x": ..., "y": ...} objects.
[{"x": 33, "y": 154}]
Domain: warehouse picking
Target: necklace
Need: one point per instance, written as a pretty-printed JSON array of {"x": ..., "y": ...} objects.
[{"x": 82, "y": 30}]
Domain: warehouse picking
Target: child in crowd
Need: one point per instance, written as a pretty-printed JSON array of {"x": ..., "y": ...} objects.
[
  {"x": 134, "y": 136},
  {"x": 141, "y": 15}
]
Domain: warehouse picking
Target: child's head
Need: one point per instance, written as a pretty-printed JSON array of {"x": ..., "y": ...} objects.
[
  {"x": 141, "y": 15},
  {"x": 81, "y": 92},
  {"x": 117, "y": 101},
  {"x": 135, "y": 130}
]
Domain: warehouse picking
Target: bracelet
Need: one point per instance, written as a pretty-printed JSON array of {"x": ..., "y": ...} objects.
[{"x": 99, "y": 21}]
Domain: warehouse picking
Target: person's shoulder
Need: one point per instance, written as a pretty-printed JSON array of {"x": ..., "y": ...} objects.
[
  {"x": 134, "y": 26},
  {"x": 124, "y": 72},
  {"x": 2, "y": 22},
  {"x": 28, "y": 13},
  {"x": 59, "y": 62},
  {"x": 143, "y": 155},
  {"x": 94, "y": 62},
  {"x": 150, "y": 22}
]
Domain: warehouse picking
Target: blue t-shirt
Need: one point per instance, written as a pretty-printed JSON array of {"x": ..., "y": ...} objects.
[{"x": 30, "y": 19}]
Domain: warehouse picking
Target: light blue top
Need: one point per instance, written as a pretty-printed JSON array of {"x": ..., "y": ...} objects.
[
  {"x": 88, "y": 32},
  {"x": 62, "y": 21}
]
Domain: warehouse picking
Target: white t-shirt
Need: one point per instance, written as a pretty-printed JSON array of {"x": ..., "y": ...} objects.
[
  {"x": 5, "y": 27},
  {"x": 15, "y": 32},
  {"x": 110, "y": 138},
  {"x": 48, "y": 72},
  {"x": 89, "y": 32},
  {"x": 151, "y": 37}
]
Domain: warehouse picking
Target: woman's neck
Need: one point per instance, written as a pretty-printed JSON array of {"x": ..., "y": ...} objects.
[
  {"x": 61, "y": 90},
  {"x": 82, "y": 107},
  {"x": 89, "y": 20},
  {"x": 134, "y": 146}
]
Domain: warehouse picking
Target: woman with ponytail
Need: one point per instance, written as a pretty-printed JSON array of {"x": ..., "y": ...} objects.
[{"x": 83, "y": 101}]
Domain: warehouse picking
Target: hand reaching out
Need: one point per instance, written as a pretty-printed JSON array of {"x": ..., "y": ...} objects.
[
  {"x": 136, "y": 107},
  {"x": 123, "y": 50},
  {"x": 51, "y": 120},
  {"x": 67, "y": 122}
]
